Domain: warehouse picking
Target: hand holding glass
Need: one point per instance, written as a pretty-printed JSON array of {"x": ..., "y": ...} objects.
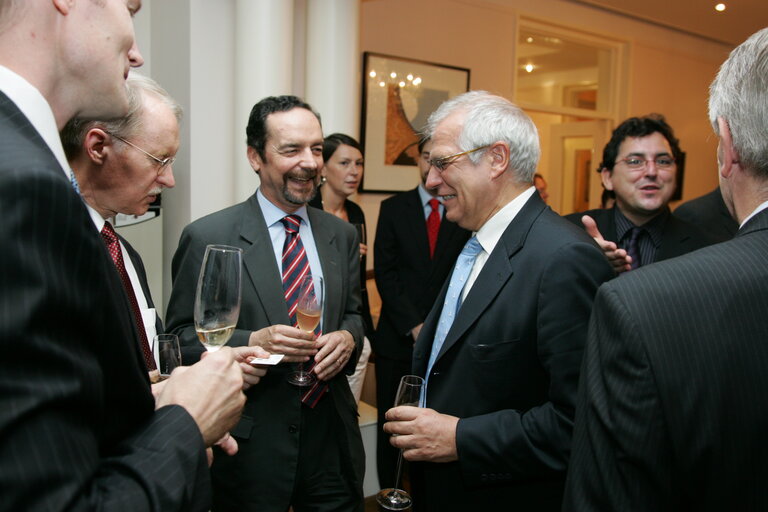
[
  {"x": 217, "y": 302},
  {"x": 409, "y": 392},
  {"x": 309, "y": 310}
]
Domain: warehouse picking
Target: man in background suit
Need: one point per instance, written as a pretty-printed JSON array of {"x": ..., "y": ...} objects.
[
  {"x": 411, "y": 264},
  {"x": 671, "y": 412},
  {"x": 709, "y": 214},
  {"x": 79, "y": 428},
  {"x": 291, "y": 453},
  {"x": 501, "y": 349},
  {"x": 640, "y": 166},
  {"x": 122, "y": 166}
]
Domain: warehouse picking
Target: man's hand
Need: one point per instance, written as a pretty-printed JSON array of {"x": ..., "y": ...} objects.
[
  {"x": 423, "y": 434},
  {"x": 335, "y": 349},
  {"x": 297, "y": 345},
  {"x": 251, "y": 374},
  {"x": 363, "y": 250},
  {"x": 210, "y": 391},
  {"x": 228, "y": 445},
  {"x": 618, "y": 258}
]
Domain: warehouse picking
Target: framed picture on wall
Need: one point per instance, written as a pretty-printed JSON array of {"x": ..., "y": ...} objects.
[{"x": 399, "y": 94}]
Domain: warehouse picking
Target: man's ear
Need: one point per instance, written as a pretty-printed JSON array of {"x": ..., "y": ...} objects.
[
  {"x": 97, "y": 144},
  {"x": 499, "y": 153},
  {"x": 606, "y": 176},
  {"x": 254, "y": 159},
  {"x": 726, "y": 152}
]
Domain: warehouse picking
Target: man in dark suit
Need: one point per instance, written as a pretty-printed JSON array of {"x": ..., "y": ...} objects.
[
  {"x": 640, "y": 166},
  {"x": 309, "y": 456},
  {"x": 79, "y": 428},
  {"x": 710, "y": 214},
  {"x": 501, "y": 349},
  {"x": 411, "y": 265},
  {"x": 671, "y": 409},
  {"x": 122, "y": 165}
]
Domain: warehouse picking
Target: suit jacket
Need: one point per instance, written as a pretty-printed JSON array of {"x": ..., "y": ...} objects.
[
  {"x": 407, "y": 279},
  {"x": 671, "y": 412},
  {"x": 138, "y": 265},
  {"x": 77, "y": 420},
  {"x": 679, "y": 237},
  {"x": 261, "y": 476},
  {"x": 509, "y": 366},
  {"x": 710, "y": 214}
]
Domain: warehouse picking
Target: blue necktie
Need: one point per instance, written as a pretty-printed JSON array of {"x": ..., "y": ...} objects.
[
  {"x": 453, "y": 297},
  {"x": 633, "y": 246}
]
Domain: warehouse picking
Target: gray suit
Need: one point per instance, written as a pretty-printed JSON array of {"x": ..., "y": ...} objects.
[
  {"x": 262, "y": 475},
  {"x": 672, "y": 403}
]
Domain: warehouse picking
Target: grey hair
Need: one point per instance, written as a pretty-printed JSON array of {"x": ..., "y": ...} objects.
[
  {"x": 490, "y": 119},
  {"x": 739, "y": 95},
  {"x": 137, "y": 85}
]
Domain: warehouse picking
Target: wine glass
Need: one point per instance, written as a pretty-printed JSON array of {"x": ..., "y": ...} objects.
[
  {"x": 409, "y": 392},
  {"x": 309, "y": 310},
  {"x": 166, "y": 346},
  {"x": 217, "y": 301}
]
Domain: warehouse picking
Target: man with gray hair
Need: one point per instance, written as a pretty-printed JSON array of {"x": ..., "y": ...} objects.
[
  {"x": 501, "y": 349},
  {"x": 671, "y": 412}
]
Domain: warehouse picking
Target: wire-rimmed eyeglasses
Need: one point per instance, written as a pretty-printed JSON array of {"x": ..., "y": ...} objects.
[
  {"x": 163, "y": 163},
  {"x": 442, "y": 163},
  {"x": 636, "y": 163}
]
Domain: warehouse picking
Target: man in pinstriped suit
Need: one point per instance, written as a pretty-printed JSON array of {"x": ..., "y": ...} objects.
[
  {"x": 672, "y": 410},
  {"x": 79, "y": 428}
]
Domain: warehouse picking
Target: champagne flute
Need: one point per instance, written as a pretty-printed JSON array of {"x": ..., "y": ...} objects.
[
  {"x": 217, "y": 301},
  {"x": 166, "y": 346},
  {"x": 309, "y": 310},
  {"x": 409, "y": 392}
]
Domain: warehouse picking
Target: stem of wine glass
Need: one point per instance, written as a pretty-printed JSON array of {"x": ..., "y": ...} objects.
[{"x": 398, "y": 472}]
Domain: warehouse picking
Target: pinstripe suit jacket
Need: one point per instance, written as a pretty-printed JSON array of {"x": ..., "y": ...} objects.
[
  {"x": 78, "y": 430},
  {"x": 673, "y": 403}
]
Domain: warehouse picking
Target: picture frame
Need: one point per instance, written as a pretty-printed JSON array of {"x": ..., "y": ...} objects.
[{"x": 398, "y": 96}]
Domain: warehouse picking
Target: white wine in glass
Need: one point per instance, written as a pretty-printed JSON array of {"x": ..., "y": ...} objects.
[
  {"x": 409, "y": 392},
  {"x": 309, "y": 310},
  {"x": 217, "y": 302}
]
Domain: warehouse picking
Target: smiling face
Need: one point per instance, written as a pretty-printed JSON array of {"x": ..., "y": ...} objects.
[
  {"x": 344, "y": 170},
  {"x": 641, "y": 194},
  {"x": 293, "y": 158}
]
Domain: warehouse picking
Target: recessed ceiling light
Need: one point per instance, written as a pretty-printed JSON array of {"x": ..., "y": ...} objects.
[{"x": 720, "y": 7}]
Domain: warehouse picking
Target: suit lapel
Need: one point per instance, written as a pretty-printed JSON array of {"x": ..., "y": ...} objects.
[
  {"x": 328, "y": 252},
  {"x": 417, "y": 228},
  {"x": 260, "y": 266}
]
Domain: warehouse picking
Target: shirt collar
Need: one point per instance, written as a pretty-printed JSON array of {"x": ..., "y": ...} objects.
[
  {"x": 490, "y": 233},
  {"x": 273, "y": 214},
  {"x": 426, "y": 196},
  {"x": 36, "y": 109},
  {"x": 757, "y": 210}
]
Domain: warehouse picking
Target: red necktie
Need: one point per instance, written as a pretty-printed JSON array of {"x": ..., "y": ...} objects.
[
  {"x": 433, "y": 225},
  {"x": 295, "y": 266},
  {"x": 113, "y": 246}
]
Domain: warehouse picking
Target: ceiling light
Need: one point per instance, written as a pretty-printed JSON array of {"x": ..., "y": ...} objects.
[
  {"x": 720, "y": 7},
  {"x": 529, "y": 67}
]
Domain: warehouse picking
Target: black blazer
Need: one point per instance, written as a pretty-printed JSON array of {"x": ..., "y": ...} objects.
[
  {"x": 679, "y": 237},
  {"x": 509, "y": 367},
  {"x": 671, "y": 412},
  {"x": 262, "y": 474},
  {"x": 141, "y": 272},
  {"x": 710, "y": 214},
  {"x": 77, "y": 420},
  {"x": 407, "y": 279}
]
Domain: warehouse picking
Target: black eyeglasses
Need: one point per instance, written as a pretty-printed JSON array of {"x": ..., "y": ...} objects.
[
  {"x": 636, "y": 163},
  {"x": 163, "y": 163},
  {"x": 442, "y": 163}
]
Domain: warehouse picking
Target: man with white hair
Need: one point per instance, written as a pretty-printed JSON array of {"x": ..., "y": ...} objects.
[
  {"x": 501, "y": 349},
  {"x": 671, "y": 412}
]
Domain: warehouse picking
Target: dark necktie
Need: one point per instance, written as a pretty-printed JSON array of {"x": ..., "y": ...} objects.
[
  {"x": 295, "y": 266},
  {"x": 633, "y": 246},
  {"x": 113, "y": 246},
  {"x": 433, "y": 225}
]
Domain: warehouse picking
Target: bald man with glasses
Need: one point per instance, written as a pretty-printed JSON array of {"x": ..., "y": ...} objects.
[{"x": 640, "y": 165}]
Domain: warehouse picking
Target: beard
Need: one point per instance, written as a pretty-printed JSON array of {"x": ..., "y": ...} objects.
[{"x": 300, "y": 198}]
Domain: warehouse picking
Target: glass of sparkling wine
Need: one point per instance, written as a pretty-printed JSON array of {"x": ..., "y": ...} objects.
[
  {"x": 217, "y": 301},
  {"x": 409, "y": 392},
  {"x": 309, "y": 310}
]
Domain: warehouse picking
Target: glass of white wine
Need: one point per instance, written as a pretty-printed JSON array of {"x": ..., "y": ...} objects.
[
  {"x": 217, "y": 301},
  {"x": 409, "y": 392},
  {"x": 309, "y": 310}
]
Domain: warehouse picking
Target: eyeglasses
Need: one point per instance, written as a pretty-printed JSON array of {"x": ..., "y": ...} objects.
[
  {"x": 442, "y": 163},
  {"x": 163, "y": 163},
  {"x": 635, "y": 163}
]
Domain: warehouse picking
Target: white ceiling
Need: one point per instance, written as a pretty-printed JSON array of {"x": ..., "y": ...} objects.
[{"x": 732, "y": 26}]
